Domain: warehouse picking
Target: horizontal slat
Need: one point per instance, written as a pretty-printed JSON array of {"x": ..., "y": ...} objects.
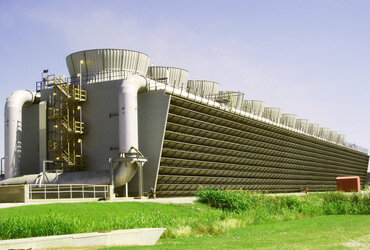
[
  {"x": 210, "y": 148},
  {"x": 164, "y": 170}
]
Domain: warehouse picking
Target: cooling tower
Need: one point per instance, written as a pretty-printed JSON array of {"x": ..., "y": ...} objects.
[
  {"x": 340, "y": 139},
  {"x": 333, "y": 136},
  {"x": 324, "y": 133},
  {"x": 273, "y": 114},
  {"x": 288, "y": 120},
  {"x": 232, "y": 99},
  {"x": 314, "y": 129},
  {"x": 302, "y": 124},
  {"x": 100, "y": 129},
  {"x": 175, "y": 77},
  {"x": 254, "y": 107},
  {"x": 203, "y": 88},
  {"x": 100, "y": 65}
]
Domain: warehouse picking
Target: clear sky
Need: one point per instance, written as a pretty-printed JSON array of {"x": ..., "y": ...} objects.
[{"x": 310, "y": 58}]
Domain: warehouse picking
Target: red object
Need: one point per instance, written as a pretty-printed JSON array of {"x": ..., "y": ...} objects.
[{"x": 349, "y": 183}]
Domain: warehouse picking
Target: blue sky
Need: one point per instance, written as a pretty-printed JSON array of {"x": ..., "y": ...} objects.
[{"x": 310, "y": 58}]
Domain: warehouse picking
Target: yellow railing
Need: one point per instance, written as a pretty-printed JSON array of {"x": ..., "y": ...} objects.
[{"x": 65, "y": 113}]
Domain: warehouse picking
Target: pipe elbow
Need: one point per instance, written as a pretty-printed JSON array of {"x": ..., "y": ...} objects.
[
  {"x": 19, "y": 98},
  {"x": 13, "y": 117},
  {"x": 137, "y": 81}
]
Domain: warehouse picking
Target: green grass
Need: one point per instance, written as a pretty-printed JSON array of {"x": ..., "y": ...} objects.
[
  {"x": 66, "y": 218},
  {"x": 269, "y": 206},
  {"x": 322, "y": 232},
  {"x": 224, "y": 210}
]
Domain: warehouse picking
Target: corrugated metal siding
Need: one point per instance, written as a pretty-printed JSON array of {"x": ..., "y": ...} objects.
[
  {"x": 212, "y": 148},
  {"x": 107, "y": 64}
]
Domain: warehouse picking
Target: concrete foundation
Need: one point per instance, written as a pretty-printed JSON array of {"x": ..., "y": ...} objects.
[
  {"x": 14, "y": 193},
  {"x": 130, "y": 237}
]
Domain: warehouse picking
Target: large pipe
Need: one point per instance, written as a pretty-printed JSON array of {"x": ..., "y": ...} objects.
[
  {"x": 128, "y": 126},
  {"x": 13, "y": 129}
]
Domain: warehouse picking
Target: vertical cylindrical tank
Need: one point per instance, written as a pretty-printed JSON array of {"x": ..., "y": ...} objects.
[
  {"x": 324, "y": 133},
  {"x": 178, "y": 78},
  {"x": 288, "y": 120},
  {"x": 302, "y": 125},
  {"x": 254, "y": 106},
  {"x": 314, "y": 129},
  {"x": 203, "y": 88},
  {"x": 99, "y": 65},
  {"x": 273, "y": 114}
]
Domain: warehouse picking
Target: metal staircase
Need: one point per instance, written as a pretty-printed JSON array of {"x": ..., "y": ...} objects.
[{"x": 64, "y": 114}]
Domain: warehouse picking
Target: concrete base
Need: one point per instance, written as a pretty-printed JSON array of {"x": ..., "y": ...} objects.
[
  {"x": 14, "y": 193},
  {"x": 130, "y": 237}
]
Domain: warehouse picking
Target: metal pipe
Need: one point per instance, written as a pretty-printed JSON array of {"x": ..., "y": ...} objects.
[
  {"x": 2, "y": 166},
  {"x": 141, "y": 182},
  {"x": 126, "y": 190},
  {"x": 128, "y": 126},
  {"x": 44, "y": 175},
  {"x": 79, "y": 141},
  {"x": 13, "y": 129},
  {"x": 128, "y": 121},
  {"x": 81, "y": 62}
]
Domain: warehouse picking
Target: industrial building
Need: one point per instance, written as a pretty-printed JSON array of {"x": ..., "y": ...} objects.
[{"x": 151, "y": 130}]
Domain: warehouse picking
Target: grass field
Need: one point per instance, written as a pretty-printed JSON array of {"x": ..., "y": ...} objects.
[
  {"x": 323, "y": 232},
  {"x": 67, "y": 218},
  {"x": 216, "y": 214}
]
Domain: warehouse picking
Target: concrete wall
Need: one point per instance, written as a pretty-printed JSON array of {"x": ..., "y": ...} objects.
[
  {"x": 153, "y": 110},
  {"x": 34, "y": 141},
  {"x": 100, "y": 141},
  {"x": 14, "y": 193}
]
